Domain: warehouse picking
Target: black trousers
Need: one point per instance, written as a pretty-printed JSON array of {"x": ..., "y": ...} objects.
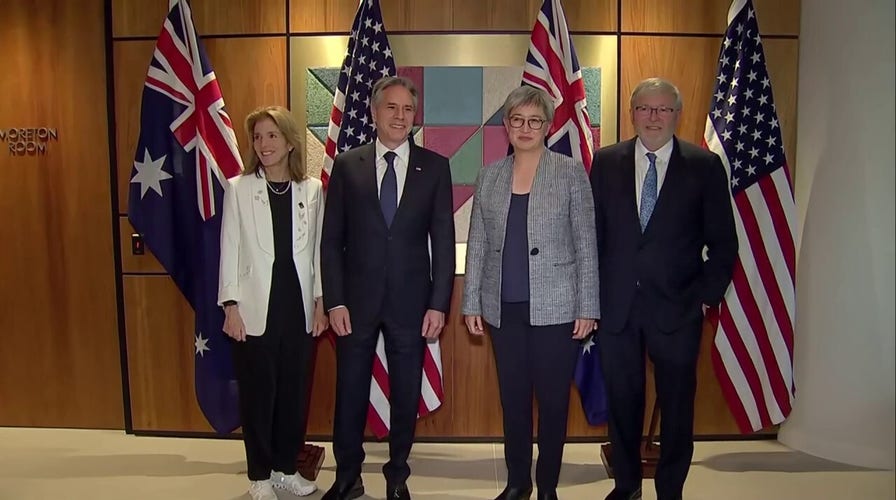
[
  {"x": 273, "y": 373},
  {"x": 674, "y": 357},
  {"x": 404, "y": 348},
  {"x": 542, "y": 358}
]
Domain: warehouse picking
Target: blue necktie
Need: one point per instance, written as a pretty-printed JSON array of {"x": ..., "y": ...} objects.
[
  {"x": 389, "y": 189},
  {"x": 648, "y": 192}
]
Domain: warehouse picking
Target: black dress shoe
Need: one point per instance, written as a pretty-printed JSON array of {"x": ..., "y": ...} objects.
[
  {"x": 345, "y": 491},
  {"x": 618, "y": 494},
  {"x": 398, "y": 492},
  {"x": 547, "y": 495},
  {"x": 513, "y": 493}
]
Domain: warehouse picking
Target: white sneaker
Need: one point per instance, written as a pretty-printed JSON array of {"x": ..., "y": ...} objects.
[
  {"x": 293, "y": 483},
  {"x": 262, "y": 490}
]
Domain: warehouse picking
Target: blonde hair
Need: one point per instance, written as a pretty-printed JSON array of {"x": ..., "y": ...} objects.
[{"x": 287, "y": 125}]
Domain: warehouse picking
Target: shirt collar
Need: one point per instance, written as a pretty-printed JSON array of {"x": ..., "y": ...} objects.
[
  {"x": 403, "y": 151},
  {"x": 662, "y": 154}
]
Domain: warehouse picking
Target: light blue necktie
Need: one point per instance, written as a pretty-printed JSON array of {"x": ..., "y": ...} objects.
[
  {"x": 389, "y": 189},
  {"x": 648, "y": 192}
]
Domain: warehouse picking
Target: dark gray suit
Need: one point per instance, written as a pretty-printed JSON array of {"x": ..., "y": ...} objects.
[{"x": 652, "y": 288}]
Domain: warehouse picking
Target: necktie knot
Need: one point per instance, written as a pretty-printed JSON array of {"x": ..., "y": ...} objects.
[
  {"x": 390, "y": 158},
  {"x": 651, "y": 157}
]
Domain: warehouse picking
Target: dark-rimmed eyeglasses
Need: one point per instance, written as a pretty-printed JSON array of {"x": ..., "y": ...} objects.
[
  {"x": 518, "y": 121},
  {"x": 663, "y": 111}
]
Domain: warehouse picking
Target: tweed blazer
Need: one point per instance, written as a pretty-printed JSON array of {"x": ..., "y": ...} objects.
[{"x": 563, "y": 270}]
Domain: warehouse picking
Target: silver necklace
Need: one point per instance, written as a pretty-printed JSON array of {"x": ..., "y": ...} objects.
[{"x": 275, "y": 190}]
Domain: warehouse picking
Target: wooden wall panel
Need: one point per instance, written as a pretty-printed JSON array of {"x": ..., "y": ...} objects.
[
  {"x": 322, "y": 16},
  {"x": 159, "y": 323},
  {"x": 775, "y": 17},
  {"x": 689, "y": 62},
  {"x": 227, "y": 17},
  {"x": 414, "y": 15},
  {"x": 589, "y": 15},
  {"x": 335, "y": 16},
  {"x": 494, "y": 15},
  {"x": 137, "y": 18},
  {"x": 251, "y": 73},
  {"x": 59, "y": 363},
  {"x": 212, "y": 17}
]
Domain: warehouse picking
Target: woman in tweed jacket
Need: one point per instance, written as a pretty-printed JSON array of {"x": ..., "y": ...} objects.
[{"x": 531, "y": 275}]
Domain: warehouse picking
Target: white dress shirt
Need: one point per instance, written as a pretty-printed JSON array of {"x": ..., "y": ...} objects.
[{"x": 642, "y": 164}]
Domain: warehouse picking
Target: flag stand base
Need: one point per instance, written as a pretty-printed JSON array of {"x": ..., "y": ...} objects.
[
  {"x": 650, "y": 451},
  {"x": 309, "y": 461}
]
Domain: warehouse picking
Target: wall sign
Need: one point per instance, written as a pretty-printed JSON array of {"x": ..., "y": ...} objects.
[{"x": 28, "y": 141}]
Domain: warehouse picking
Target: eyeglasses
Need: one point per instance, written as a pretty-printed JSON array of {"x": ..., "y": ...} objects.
[
  {"x": 534, "y": 123},
  {"x": 663, "y": 111}
]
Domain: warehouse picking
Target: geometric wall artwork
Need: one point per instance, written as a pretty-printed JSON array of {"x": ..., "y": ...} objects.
[{"x": 459, "y": 116}]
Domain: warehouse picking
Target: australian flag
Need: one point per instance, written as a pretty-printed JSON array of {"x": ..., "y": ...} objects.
[{"x": 186, "y": 152}]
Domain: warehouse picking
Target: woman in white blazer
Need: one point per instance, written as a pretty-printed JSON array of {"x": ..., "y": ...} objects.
[
  {"x": 532, "y": 276},
  {"x": 271, "y": 294}
]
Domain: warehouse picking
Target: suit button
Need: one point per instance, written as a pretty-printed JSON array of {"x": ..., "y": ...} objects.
[
  {"x": 638, "y": 284},
  {"x": 534, "y": 251}
]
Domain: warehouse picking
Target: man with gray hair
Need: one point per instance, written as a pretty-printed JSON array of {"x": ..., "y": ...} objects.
[
  {"x": 659, "y": 203},
  {"x": 385, "y": 202}
]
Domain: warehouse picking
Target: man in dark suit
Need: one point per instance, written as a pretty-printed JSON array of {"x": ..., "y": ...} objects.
[
  {"x": 385, "y": 203},
  {"x": 660, "y": 202}
]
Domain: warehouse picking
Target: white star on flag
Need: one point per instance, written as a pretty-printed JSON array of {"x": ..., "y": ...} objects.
[
  {"x": 201, "y": 345},
  {"x": 150, "y": 174},
  {"x": 589, "y": 343}
]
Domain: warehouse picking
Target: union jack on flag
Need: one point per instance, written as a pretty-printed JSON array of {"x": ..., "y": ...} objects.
[
  {"x": 185, "y": 153},
  {"x": 552, "y": 65},
  {"x": 753, "y": 348},
  {"x": 368, "y": 59}
]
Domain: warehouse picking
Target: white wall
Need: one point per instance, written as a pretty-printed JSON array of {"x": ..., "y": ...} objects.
[{"x": 844, "y": 340}]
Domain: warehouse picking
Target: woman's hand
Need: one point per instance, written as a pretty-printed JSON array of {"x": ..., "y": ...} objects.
[
  {"x": 582, "y": 327},
  {"x": 474, "y": 324},
  {"x": 233, "y": 323},
  {"x": 321, "y": 321}
]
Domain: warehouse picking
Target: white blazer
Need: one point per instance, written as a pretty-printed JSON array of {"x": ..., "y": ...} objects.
[{"x": 247, "y": 247}]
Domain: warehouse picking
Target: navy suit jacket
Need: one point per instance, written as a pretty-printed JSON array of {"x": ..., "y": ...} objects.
[
  {"x": 374, "y": 269},
  {"x": 665, "y": 263}
]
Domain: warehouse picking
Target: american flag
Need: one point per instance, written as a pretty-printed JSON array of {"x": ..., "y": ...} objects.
[
  {"x": 368, "y": 59},
  {"x": 753, "y": 349},
  {"x": 186, "y": 152},
  {"x": 552, "y": 65}
]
